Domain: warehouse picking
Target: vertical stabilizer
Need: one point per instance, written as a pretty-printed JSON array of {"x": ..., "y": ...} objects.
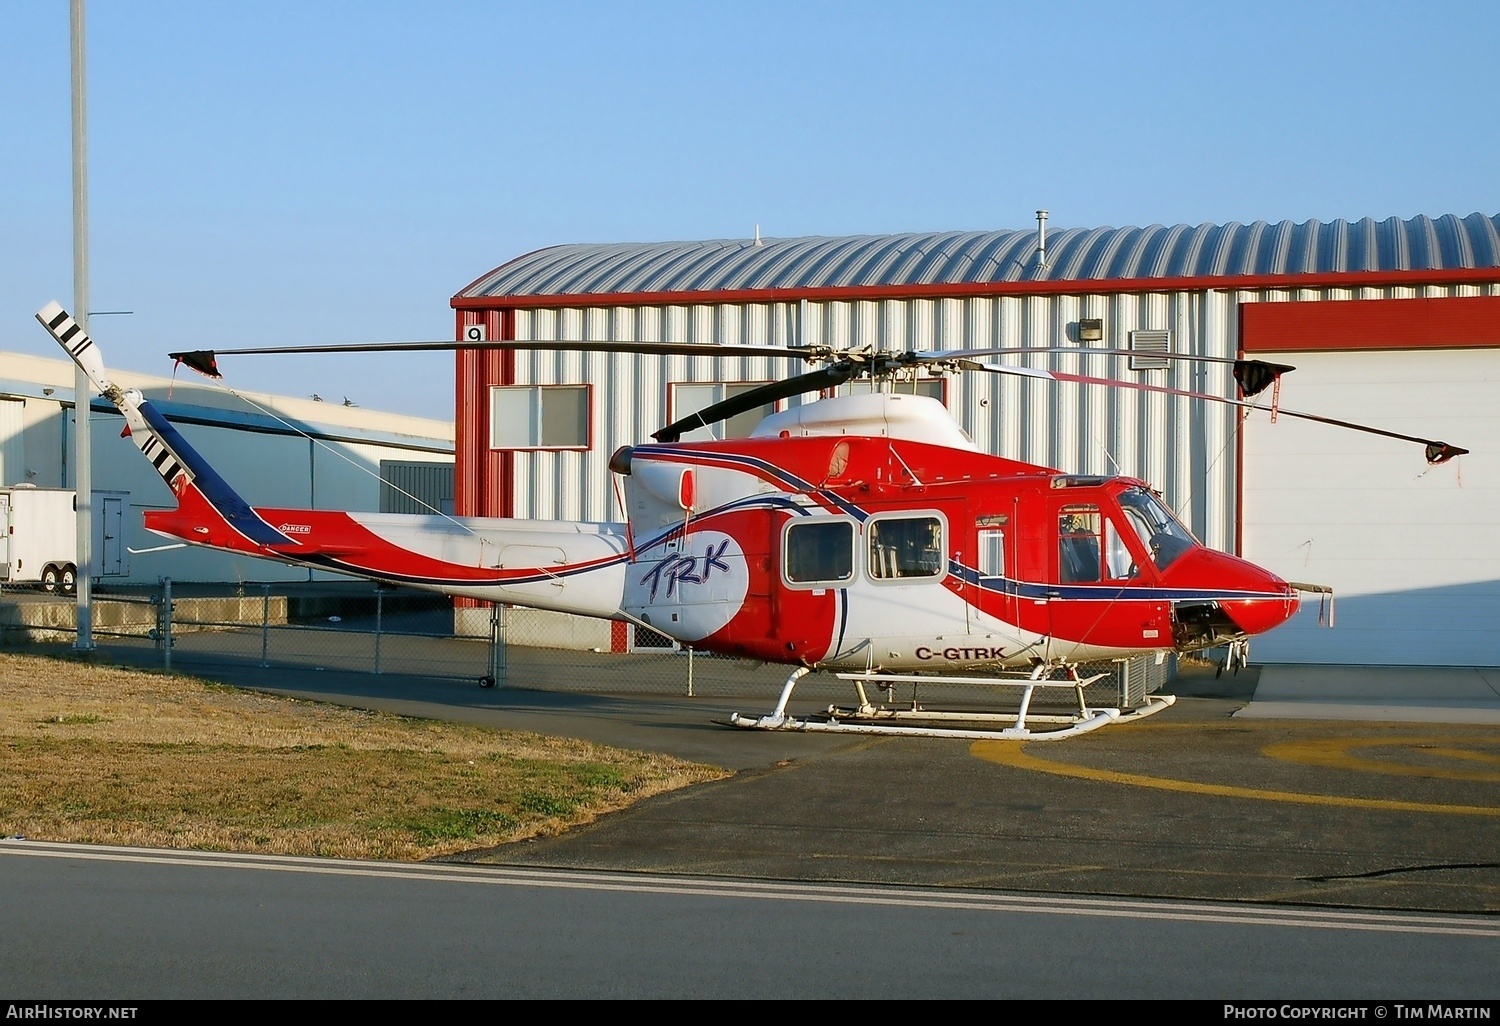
[{"x": 178, "y": 463}]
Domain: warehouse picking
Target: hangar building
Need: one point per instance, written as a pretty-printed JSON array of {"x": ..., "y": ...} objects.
[
  {"x": 280, "y": 451},
  {"x": 1394, "y": 323}
]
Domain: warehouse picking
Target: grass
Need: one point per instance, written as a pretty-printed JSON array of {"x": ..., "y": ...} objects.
[{"x": 118, "y": 756}]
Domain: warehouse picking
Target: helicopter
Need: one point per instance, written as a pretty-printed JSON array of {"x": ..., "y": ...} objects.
[{"x": 864, "y": 535}]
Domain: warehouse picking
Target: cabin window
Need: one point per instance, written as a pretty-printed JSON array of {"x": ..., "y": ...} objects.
[
  {"x": 991, "y": 553},
  {"x": 819, "y": 551},
  {"x": 690, "y": 397},
  {"x": 1078, "y": 533},
  {"x": 539, "y": 417},
  {"x": 906, "y": 547}
]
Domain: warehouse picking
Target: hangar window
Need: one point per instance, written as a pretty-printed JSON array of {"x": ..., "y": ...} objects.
[
  {"x": 539, "y": 417},
  {"x": 690, "y": 397},
  {"x": 932, "y": 388}
]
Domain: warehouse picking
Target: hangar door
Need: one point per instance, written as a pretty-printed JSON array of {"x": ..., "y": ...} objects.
[{"x": 1412, "y": 551}]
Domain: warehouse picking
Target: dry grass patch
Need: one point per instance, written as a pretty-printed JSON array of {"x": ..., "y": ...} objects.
[{"x": 112, "y": 755}]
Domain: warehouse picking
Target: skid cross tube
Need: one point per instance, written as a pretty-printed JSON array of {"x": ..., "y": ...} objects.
[{"x": 866, "y": 718}]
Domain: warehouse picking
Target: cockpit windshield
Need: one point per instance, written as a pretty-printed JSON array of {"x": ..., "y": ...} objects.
[{"x": 1161, "y": 532}]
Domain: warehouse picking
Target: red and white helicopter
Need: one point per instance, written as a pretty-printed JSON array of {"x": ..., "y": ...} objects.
[{"x": 863, "y": 535}]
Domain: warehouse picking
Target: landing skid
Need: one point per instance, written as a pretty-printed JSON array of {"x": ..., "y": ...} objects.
[{"x": 867, "y": 718}]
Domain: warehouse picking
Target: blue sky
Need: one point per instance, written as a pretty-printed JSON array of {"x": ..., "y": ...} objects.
[{"x": 273, "y": 173}]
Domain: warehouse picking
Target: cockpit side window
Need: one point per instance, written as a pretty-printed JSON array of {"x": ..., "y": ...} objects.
[
  {"x": 1119, "y": 564},
  {"x": 1161, "y": 532},
  {"x": 1078, "y": 530}
]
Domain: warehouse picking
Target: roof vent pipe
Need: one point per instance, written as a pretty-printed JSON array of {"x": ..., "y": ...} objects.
[
  {"x": 1041, "y": 240},
  {"x": 757, "y": 241}
]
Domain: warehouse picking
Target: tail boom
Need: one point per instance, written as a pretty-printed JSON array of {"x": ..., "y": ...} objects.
[{"x": 584, "y": 571}]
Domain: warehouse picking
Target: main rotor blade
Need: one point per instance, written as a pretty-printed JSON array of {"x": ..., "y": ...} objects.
[
  {"x": 204, "y": 360},
  {"x": 1436, "y": 451},
  {"x": 812, "y": 381},
  {"x": 1254, "y": 376}
]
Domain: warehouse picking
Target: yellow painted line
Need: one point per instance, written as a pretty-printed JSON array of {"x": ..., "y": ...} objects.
[
  {"x": 1010, "y": 753},
  {"x": 1335, "y": 753},
  {"x": 1464, "y": 753}
]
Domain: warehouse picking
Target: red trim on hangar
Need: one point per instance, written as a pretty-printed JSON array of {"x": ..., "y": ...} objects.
[
  {"x": 1450, "y": 322},
  {"x": 483, "y": 482},
  {"x": 483, "y": 479},
  {"x": 960, "y": 290}
]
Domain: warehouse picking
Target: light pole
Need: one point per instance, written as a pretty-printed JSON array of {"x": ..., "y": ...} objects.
[{"x": 83, "y": 471}]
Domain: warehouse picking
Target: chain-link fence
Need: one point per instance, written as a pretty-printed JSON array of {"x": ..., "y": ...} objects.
[
  {"x": 359, "y": 627},
  {"x": 355, "y": 627}
]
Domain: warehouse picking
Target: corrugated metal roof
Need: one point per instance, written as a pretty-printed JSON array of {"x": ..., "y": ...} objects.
[{"x": 953, "y": 258}]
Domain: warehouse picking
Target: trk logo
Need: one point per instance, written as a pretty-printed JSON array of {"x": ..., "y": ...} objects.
[{"x": 685, "y": 569}]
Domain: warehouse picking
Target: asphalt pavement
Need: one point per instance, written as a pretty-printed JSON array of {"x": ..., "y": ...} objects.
[
  {"x": 1191, "y": 803},
  {"x": 109, "y": 926}
]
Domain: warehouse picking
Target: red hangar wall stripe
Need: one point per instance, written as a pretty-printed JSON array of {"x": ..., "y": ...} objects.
[
  {"x": 1456, "y": 322},
  {"x": 1352, "y": 325}
]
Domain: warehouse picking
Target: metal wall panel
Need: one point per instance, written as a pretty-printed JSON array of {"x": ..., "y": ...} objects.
[
  {"x": 13, "y": 442},
  {"x": 1184, "y": 447},
  {"x": 1170, "y": 442},
  {"x": 411, "y": 487}
]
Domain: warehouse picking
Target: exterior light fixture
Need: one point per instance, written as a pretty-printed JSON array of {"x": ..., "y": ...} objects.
[{"x": 1091, "y": 329}]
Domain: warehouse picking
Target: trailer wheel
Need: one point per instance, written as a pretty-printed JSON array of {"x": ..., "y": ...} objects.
[
  {"x": 69, "y": 579},
  {"x": 49, "y": 579}
]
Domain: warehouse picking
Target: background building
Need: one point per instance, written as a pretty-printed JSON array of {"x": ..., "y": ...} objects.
[
  {"x": 274, "y": 450},
  {"x": 1394, "y": 323}
]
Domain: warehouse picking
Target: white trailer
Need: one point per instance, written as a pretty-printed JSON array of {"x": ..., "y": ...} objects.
[{"x": 40, "y": 538}]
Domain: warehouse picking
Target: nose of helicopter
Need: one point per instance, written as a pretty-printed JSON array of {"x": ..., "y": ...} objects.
[{"x": 1252, "y": 597}]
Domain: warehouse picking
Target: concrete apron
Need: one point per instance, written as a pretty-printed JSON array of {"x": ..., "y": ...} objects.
[{"x": 1416, "y": 694}]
